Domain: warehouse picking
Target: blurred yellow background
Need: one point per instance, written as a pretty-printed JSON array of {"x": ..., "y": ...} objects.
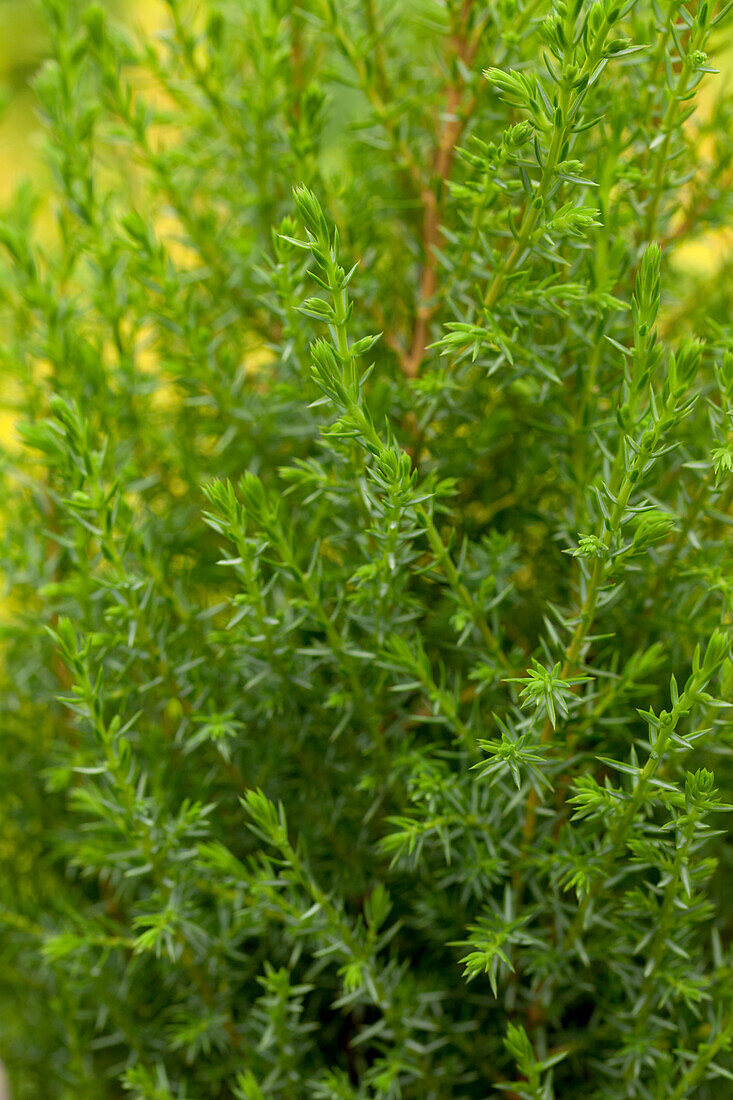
[{"x": 22, "y": 44}]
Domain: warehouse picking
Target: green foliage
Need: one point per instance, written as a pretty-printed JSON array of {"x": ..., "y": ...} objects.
[{"x": 367, "y": 552}]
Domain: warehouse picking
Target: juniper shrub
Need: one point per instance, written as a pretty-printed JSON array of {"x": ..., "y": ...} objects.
[{"x": 366, "y": 631}]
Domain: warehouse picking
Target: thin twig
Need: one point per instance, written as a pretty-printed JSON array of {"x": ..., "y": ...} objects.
[{"x": 455, "y": 114}]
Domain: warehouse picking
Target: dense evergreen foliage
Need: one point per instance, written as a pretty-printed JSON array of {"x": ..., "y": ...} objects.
[{"x": 367, "y": 557}]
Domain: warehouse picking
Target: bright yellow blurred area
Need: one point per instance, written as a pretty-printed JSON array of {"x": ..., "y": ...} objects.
[
  {"x": 707, "y": 252},
  {"x": 22, "y": 46},
  {"x": 22, "y": 49}
]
